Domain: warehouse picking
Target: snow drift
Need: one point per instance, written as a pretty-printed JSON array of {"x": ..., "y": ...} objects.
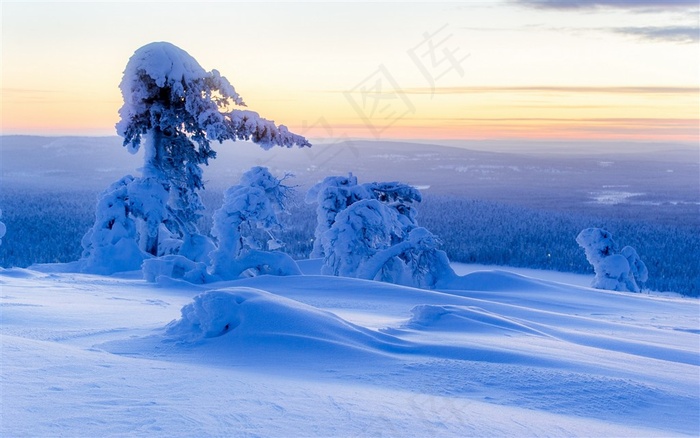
[
  {"x": 513, "y": 355},
  {"x": 252, "y": 316}
]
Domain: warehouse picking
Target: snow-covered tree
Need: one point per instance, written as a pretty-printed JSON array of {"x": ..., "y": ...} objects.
[
  {"x": 638, "y": 270},
  {"x": 379, "y": 240},
  {"x": 336, "y": 193},
  {"x": 428, "y": 265},
  {"x": 333, "y": 195},
  {"x": 246, "y": 224},
  {"x": 3, "y": 229},
  {"x": 147, "y": 199},
  {"x": 613, "y": 270},
  {"x": 597, "y": 243},
  {"x": 111, "y": 245},
  {"x": 177, "y": 109},
  {"x": 398, "y": 196},
  {"x": 358, "y": 233}
]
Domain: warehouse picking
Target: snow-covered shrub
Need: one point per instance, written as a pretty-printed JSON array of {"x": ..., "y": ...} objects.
[
  {"x": 336, "y": 193},
  {"x": 175, "y": 266},
  {"x": 211, "y": 314},
  {"x": 378, "y": 240},
  {"x": 613, "y": 270},
  {"x": 398, "y": 196},
  {"x": 3, "y": 229},
  {"x": 597, "y": 243},
  {"x": 111, "y": 245},
  {"x": 333, "y": 195},
  {"x": 246, "y": 224},
  {"x": 197, "y": 247},
  {"x": 178, "y": 108},
  {"x": 359, "y": 232},
  {"x": 148, "y": 200},
  {"x": 638, "y": 269},
  {"x": 370, "y": 231},
  {"x": 428, "y": 265}
]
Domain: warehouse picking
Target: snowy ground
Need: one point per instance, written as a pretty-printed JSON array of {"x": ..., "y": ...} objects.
[{"x": 517, "y": 353}]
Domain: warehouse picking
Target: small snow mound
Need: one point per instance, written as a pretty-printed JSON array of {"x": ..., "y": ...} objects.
[
  {"x": 463, "y": 319},
  {"x": 426, "y": 314},
  {"x": 252, "y": 318},
  {"x": 495, "y": 281},
  {"x": 211, "y": 314}
]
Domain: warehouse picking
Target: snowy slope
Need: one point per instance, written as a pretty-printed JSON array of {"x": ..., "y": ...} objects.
[{"x": 505, "y": 355}]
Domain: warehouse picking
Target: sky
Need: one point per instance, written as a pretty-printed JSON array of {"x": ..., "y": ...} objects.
[{"x": 473, "y": 70}]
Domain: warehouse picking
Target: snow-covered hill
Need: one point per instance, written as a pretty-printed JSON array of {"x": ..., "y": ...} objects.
[{"x": 509, "y": 354}]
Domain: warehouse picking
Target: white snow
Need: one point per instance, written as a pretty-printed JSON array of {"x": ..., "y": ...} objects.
[{"x": 310, "y": 355}]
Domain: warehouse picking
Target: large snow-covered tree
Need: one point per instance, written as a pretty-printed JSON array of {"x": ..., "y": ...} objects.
[
  {"x": 176, "y": 109},
  {"x": 614, "y": 270}
]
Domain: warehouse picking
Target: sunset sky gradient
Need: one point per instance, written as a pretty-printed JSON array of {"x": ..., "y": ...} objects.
[{"x": 528, "y": 69}]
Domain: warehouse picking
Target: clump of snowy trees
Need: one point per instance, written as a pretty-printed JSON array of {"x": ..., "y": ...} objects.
[
  {"x": 614, "y": 270},
  {"x": 245, "y": 230},
  {"x": 176, "y": 109},
  {"x": 370, "y": 231}
]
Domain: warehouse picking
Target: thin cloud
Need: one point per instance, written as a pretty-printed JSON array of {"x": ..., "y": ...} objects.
[
  {"x": 623, "y": 4},
  {"x": 643, "y": 121},
  {"x": 554, "y": 89},
  {"x": 25, "y": 91},
  {"x": 677, "y": 34},
  {"x": 674, "y": 34}
]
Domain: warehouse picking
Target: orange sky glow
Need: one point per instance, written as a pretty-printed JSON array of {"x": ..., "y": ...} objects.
[{"x": 498, "y": 70}]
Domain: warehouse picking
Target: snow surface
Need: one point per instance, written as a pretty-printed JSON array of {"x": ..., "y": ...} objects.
[{"x": 509, "y": 354}]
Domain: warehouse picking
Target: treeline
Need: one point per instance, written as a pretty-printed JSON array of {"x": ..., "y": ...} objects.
[
  {"x": 44, "y": 227},
  {"x": 492, "y": 233},
  {"x": 47, "y": 228}
]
